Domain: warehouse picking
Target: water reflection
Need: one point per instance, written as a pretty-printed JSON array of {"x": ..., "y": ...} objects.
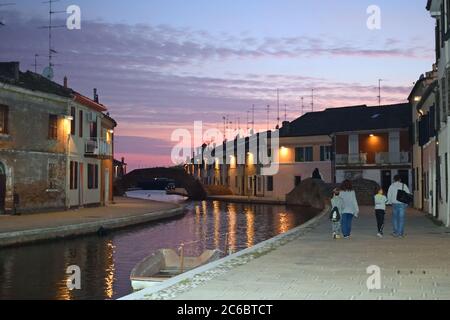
[{"x": 39, "y": 271}]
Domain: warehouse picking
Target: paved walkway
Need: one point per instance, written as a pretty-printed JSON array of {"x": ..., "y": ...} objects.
[
  {"x": 314, "y": 266},
  {"x": 43, "y": 226}
]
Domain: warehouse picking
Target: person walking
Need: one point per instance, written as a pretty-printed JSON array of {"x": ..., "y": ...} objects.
[
  {"x": 337, "y": 206},
  {"x": 398, "y": 208},
  {"x": 380, "y": 211},
  {"x": 351, "y": 208}
]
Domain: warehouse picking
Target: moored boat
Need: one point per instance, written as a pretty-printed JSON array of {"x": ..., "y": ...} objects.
[{"x": 166, "y": 264}]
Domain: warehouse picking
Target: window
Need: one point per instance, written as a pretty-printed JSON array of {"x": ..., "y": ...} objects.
[
  {"x": 447, "y": 14},
  {"x": 304, "y": 154},
  {"x": 92, "y": 176},
  {"x": 73, "y": 123},
  {"x": 80, "y": 124},
  {"x": 73, "y": 175},
  {"x": 438, "y": 41},
  {"x": 3, "y": 119},
  {"x": 259, "y": 184},
  {"x": 93, "y": 130},
  {"x": 53, "y": 127},
  {"x": 270, "y": 184},
  {"x": 325, "y": 153},
  {"x": 52, "y": 175},
  {"x": 298, "y": 181}
]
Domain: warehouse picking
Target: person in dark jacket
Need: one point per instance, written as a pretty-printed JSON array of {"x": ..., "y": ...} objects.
[{"x": 316, "y": 174}]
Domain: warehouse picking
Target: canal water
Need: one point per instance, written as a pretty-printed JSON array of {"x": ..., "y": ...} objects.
[{"x": 39, "y": 271}]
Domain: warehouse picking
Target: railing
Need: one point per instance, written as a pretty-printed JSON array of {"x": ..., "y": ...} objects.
[
  {"x": 357, "y": 158},
  {"x": 98, "y": 147},
  {"x": 392, "y": 158}
]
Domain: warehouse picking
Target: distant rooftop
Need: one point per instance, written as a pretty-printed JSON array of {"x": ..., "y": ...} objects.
[{"x": 347, "y": 119}]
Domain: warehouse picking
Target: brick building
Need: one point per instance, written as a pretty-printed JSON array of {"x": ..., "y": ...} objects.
[{"x": 56, "y": 146}]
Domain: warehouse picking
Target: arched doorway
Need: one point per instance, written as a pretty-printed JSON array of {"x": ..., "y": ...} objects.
[{"x": 2, "y": 187}]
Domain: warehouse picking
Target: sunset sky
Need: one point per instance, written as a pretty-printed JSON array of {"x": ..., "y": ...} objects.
[{"x": 160, "y": 65}]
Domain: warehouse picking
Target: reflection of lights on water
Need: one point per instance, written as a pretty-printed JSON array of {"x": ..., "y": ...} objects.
[
  {"x": 109, "y": 279},
  {"x": 197, "y": 214},
  {"x": 216, "y": 211},
  {"x": 232, "y": 212},
  {"x": 250, "y": 215},
  {"x": 285, "y": 223}
]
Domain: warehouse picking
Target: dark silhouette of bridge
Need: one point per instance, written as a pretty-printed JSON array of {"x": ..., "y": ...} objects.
[{"x": 193, "y": 187}]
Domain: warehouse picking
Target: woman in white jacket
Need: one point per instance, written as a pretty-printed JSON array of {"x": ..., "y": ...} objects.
[{"x": 351, "y": 208}]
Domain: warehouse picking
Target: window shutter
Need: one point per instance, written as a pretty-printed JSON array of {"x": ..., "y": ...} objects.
[
  {"x": 443, "y": 98},
  {"x": 447, "y": 103}
]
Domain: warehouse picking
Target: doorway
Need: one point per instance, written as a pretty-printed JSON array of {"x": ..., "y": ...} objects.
[
  {"x": 106, "y": 186},
  {"x": 386, "y": 180},
  {"x": 404, "y": 174}
]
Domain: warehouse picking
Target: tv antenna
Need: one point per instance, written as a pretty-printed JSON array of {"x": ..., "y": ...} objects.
[
  {"x": 268, "y": 117},
  {"x": 48, "y": 71},
  {"x": 303, "y": 105},
  {"x": 35, "y": 64},
  {"x": 253, "y": 118},
  {"x": 278, "y": 109},
  {"x": 285, "y": 112},
  {"x": 312, "y": 100},
  {"x": 379, "y": 91}
]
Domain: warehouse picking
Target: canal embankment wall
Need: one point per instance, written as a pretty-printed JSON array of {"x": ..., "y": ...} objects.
[
  {"x": 125, "y": 212},
  {"x": 193, "y": 278}
]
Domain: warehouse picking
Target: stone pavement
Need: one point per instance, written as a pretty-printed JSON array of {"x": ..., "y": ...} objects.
[
  {"x": 43, "y": 226},
  {"x": 313, "y": 266}
]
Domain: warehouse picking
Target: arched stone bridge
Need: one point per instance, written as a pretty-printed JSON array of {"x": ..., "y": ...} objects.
[{"x": 193, "y": 187}]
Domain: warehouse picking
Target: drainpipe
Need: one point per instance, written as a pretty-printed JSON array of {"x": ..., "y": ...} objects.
[
  {"x": 68, "y": 164},
  {"x": 333, "y": 157}
]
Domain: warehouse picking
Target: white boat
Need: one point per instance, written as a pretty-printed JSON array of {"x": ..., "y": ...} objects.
[{"x": 166, "y": 264}]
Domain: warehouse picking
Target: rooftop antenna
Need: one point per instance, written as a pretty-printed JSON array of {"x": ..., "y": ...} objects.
[
  {"x": 268, "y": 117},
  {"x": 379, "y": 91},
  {"x": 285, "y": 112},
  {"x": 248, "y": 121},
  {"x": 48, "y": 71},
  {"x": 35, "y": 65},
  {"x": 224, "y": 126},
  {"x": 303, "y": 105},
  {"x": 312, "y": 100},
  {"x": 278, "y": 109},
  {"x": 253, "y": 118}
]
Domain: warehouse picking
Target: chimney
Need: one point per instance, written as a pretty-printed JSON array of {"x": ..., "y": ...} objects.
[
  {"x": 286, "y": 127},
  {"x": 65, "y": 82},
  {"x": 10, "y": 70},
  {"x": 95, "y": 95}
]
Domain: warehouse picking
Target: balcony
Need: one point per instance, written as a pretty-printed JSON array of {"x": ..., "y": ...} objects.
[
  {"x": 381, "y": 158},
  {"x": 351, "y": 159},
  {"x": 387, "y": 158},
  {"x": 96, "y": 147}
]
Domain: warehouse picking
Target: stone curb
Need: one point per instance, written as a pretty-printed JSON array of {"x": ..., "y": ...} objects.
[
  {"x": 192, "y": 279},
  {"x": 75, "y": 230}
]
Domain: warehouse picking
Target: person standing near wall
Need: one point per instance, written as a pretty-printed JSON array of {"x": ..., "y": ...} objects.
[
  {"x": 398, "y": 207},
  {"x": 351, "y": 208}
]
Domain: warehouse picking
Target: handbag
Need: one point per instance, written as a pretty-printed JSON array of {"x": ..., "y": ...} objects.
[{"x": 404, "y": 197}]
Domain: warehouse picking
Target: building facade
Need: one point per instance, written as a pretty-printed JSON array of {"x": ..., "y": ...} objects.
[
  {"x": 338, "y": 143},
  {"x": 440, "y": 11},
  {"x": 44, "y": 131}
]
